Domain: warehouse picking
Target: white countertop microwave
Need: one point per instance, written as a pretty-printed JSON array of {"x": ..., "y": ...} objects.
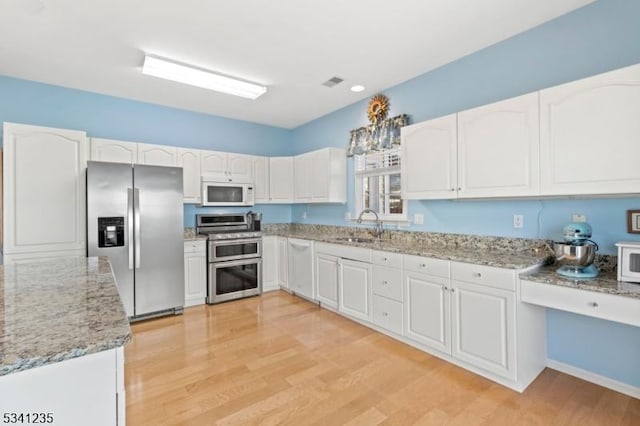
[
  {"x": 222, "y": 194},
  {"x": 629, "y": 261}
]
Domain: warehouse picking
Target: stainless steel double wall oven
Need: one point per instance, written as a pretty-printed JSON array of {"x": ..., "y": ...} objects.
[{"x": 234, "y": 255}]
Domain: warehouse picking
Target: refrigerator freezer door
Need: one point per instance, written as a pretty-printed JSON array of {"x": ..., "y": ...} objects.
[
  {"x": 107, "y": 188},
  {"x": 159, "y": 263}
]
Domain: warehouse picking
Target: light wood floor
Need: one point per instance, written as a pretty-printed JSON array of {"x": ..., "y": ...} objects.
[{"x": 277, "y": 359}]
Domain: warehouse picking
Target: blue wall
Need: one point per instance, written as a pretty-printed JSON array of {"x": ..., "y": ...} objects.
[
  {"x": 116, "y": 118},
  {"x": 597, "y": 38}
]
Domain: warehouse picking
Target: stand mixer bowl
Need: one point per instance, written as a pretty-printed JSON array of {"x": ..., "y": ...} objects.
[{"x": 575, "y": 255}]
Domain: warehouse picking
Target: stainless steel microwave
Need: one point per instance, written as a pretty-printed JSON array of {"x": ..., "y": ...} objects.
[{"x": 222, "y": 194}]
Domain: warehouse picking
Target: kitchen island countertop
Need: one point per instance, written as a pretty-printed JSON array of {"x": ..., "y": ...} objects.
[{"x": 54, "y": 310}]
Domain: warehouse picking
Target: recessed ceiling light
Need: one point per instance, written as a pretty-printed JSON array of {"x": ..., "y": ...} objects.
[
  {"x": 196, "y": 77},
  {"x": 357, "y": 88}
]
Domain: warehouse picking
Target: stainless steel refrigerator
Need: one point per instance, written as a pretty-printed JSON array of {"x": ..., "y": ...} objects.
[{"x": 134, "y": 216}]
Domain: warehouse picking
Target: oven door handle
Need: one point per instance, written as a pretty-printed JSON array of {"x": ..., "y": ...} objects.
[{"x": 252, "y": 261}]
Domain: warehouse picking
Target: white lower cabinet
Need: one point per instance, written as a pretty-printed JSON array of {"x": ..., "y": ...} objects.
[
  {"x": 283, "y": 263},
  {"x": 327, "y": 269},
  {"x": 427, "y": 310},
  {"x": 269, "y": 263},
  {"x": 483, "y": 327},
  {"x": 355, "y": 289},
  {"x": 387, "y": 313},
  {"x": 87, "y": 390},
  {"x": 195, "y": 272},
  {"x": 301, "y": 267}
]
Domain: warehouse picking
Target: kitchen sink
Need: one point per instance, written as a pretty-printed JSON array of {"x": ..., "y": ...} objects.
[{"x": 356, "y": 240}]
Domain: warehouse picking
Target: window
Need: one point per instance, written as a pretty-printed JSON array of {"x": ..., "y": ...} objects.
[{"x": 378, "y": 183}]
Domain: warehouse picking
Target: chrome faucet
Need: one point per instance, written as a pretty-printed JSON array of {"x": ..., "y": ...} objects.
[{"x": 377, "y": 230}]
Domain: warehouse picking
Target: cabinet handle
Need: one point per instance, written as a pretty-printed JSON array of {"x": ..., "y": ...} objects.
[
  {"x": 459, "y": 189},
  {"x": 452, "y": 289},
  {"x": 477, "y": 274},
  {"x": 423, "y": 265},
  {"x": 594, "y": 304},
  {"x": 453, "y": 189},
  {"x": 385, "y": 314},
  {"x": 446, "y": 288},
  {"x": 384, "y": 259},
  {"x": 385, "y": 282}
]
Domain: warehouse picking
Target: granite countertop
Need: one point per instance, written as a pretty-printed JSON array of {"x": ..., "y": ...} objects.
[
  {"x": 190, "y": 235},
  {"x": 606, "y": 282},
  {"x": 520, "y": 258},
  {"x": 53, "y": 310}
]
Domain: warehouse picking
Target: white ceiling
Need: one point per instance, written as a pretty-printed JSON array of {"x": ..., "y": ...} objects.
[{"x": 291, "y": 46}]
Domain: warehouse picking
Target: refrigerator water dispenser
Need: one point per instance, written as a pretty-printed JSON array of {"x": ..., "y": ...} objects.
[{"x": 110, "y": 231}]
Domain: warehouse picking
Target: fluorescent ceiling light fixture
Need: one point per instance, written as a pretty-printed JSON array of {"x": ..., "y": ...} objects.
[
  {"x": 357, "y": 88},
  {"x": 196, "y": 77}
]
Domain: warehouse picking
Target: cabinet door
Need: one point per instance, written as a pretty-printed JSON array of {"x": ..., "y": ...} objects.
[
  {"x": 157, "y": 155},
  {"x": 261, "y": 184},
  {"x": 320, "y": 178},
  {"x": 195, "y": 275},
  {"x": 327, "y": 279},
  {"x": 269, "y": 263},
  {"x": 240, "y": 167},
  {"x": 283, "y": 263},
  {"x": 589, "y": 133},
  {"x": 303, "y": 176},
  {"x": 427, "y": 310},
  {"x": 429, "y": 159},
  {"x": 355, "y": 289},
  {"x": 213, "y": 164},
  {"x": 281, "y": 179},
  {"x": 189, "y": 160},
  {"x": 44, "y": 190},
  {"x": 483, "y": 327},
  {"x": 114, "y": 151},
  {"x": 498, "y": 149},
  {"x": 301, "y": 267}
]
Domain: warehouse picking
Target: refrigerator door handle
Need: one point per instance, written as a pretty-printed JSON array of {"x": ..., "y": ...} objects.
[
  {"x": 130, "y": 225},
  {"x": 136, "y": 224}
]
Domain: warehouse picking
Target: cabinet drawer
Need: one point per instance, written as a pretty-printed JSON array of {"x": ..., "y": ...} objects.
[
  {"x": 386, "y": 258},
  {"x": 484, "y": 275},
  {"x": 387, "y": 314},
  {"x": 610, "y": 307},
  {"x": 345, "y": 252},
  {"x": 195, "y": 246},
  {"x": 387, "y": 282},
  {"x": 427, "y": 265}
]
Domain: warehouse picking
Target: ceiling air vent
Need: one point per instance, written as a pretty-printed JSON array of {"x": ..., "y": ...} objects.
[{"x": 332, "y": 81}]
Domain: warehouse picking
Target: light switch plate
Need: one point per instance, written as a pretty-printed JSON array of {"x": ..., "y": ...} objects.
[{"x": 418, "y": 219}]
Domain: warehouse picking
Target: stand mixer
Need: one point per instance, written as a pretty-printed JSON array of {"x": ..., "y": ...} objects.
[{"x": 577, "y": 252}]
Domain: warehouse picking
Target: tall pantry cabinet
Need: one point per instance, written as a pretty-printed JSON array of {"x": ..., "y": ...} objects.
[{"x": 43, "y": 191}]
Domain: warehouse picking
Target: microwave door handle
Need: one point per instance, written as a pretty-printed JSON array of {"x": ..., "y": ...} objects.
[
  {"x": 130, "y": 225},
  {"x": 136, "y": 224}
]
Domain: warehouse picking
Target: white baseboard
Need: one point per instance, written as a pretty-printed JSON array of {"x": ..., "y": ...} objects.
[{"x": 606, "y": 382}]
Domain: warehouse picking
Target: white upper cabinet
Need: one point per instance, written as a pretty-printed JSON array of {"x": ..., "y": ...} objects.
[
  {"x": 280, "y": 180},
  {"x": 321, "y": 176},
  {"x": 44, "y": 190},
  {"x": 261, "y": 183},
  {"x": 498, "y": 149},
  {"x": 303, "y": 178},
  {"x": 189, "y": 160},
  {"x": 227, "y": 166},
  {"x": 157, "y": 155},
  {"x": 114, "y": 151},
  {"x": 590, "y": 135},
  {"x": 429, "y": 159}
]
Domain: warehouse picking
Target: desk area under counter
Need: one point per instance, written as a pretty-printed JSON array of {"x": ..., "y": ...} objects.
[
  {"x": 62, "y": 331},
  {"x": 603, "y": 297}
]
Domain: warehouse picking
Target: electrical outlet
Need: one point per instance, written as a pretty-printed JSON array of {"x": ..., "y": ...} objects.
[
  {"x": 418, "y": 219},
  {"x": 347, "y": 215},
  {"x": 578, "y": 217},
  {"x": 304, "y": 215},
  {"x": 518, "y": 221}
]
